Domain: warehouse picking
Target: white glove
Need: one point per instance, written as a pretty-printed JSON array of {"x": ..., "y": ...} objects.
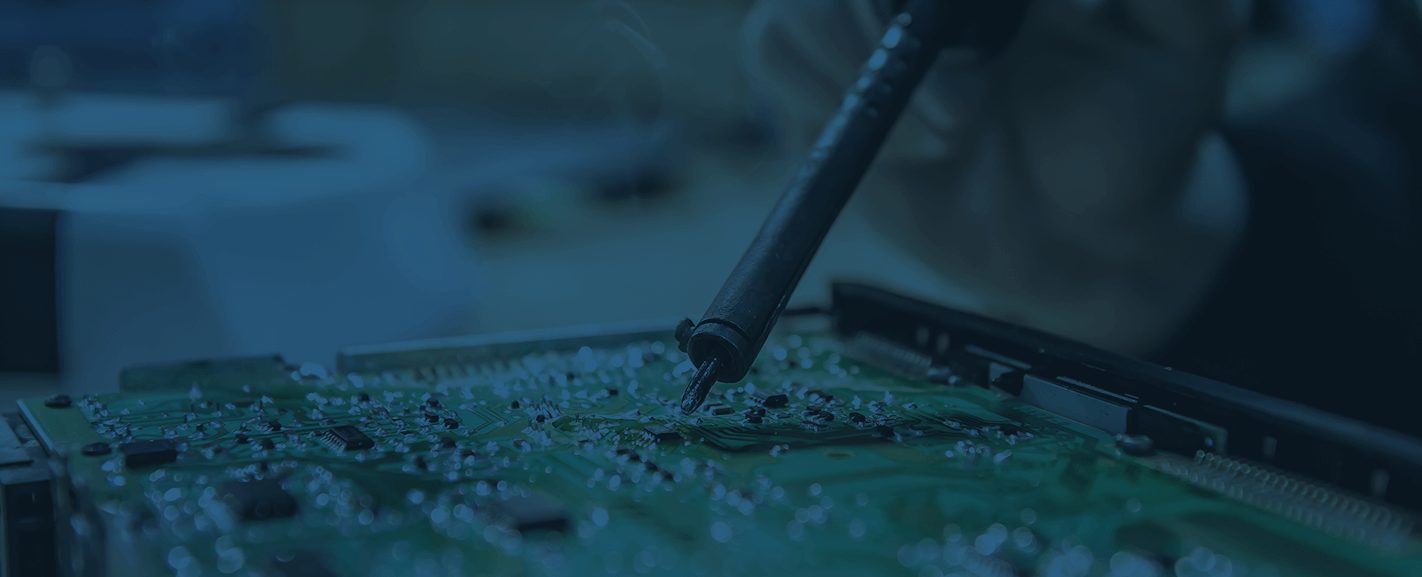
[{"x": 1075, "y": 183}]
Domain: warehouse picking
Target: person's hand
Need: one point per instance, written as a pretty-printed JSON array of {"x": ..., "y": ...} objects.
[{"x": 1075, "y": 183}]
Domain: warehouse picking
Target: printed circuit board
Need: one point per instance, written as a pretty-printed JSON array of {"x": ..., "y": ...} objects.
[{"x": 834, "y": 457}]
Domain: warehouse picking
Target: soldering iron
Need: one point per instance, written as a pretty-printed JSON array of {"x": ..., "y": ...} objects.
[{"x": 731, "y": 333}]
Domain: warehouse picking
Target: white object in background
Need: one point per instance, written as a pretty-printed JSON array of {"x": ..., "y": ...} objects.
[{"x": 186, "y": 257}]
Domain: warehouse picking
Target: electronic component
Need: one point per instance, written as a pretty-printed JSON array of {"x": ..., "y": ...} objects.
[
  {"x": 27, "y": 536},
  {"x": 533, "y": 512},
  {"x": 663, "y": 433},
  {"x": 719, "y": 409},
  {"x": 348, "y": 438},
  {"x": 148, "y": 453},
  {"x": 258, "y": 500}
]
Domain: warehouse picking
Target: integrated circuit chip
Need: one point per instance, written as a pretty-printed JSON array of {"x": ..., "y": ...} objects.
[
  {"x": 347, "y": 438},
  {"x": 776, "y": 401},
  {"x": 149, "y": 453},
  {"x": 258, "y": 500},
  {"x": 663, "y": 433}
]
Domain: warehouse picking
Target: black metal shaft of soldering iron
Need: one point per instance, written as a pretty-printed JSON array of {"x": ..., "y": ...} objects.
[{"x": 730, "y": 335}]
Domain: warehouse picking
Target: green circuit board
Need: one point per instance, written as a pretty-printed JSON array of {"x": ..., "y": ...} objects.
[{"x": 571, "y": 459}]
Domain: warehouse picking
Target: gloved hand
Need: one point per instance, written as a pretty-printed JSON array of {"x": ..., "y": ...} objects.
[{"x": 1075, "y": 183}]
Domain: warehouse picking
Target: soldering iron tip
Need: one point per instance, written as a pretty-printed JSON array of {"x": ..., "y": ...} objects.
[{"x": 699, "y": 387}]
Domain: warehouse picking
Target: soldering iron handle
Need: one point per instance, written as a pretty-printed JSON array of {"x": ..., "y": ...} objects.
[{"x": 736, "y": 324}]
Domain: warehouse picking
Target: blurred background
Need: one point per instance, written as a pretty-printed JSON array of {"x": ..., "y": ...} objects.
[{"x": 206, "y": 178}]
